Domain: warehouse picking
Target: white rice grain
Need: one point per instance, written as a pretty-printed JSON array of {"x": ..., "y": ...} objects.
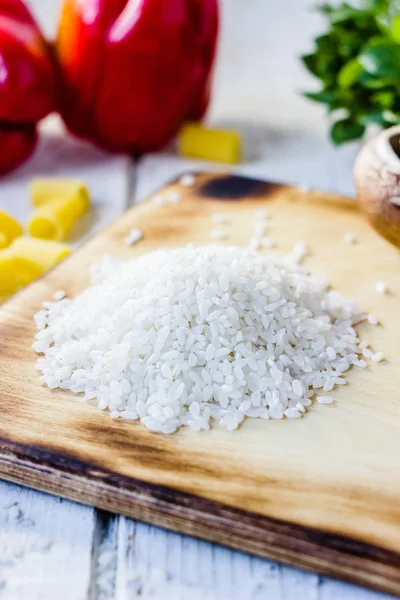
[
  {"x": 349, "y": 238},
  {"x": 173, "y": 196},
  {"x": 267, "y": 242},
  {"x": 133, "y": 237},
  {"x": 303, "y": 189},
  {"x": 159, "y": 200},
  {"x": 381, "y": 287},
  {"x": 186, "y": 336},
  {"x": 187, "y": 180},
  {"x": 218, "y": 234},
  {"x": 219, "y": 219},
  {"x": 254, "y": 244},
  {"x": 59, "y": 295},
  {"x": 260, "y": 214},
  {"x": 325, "y": 399},
  {"x": 259, "y": 228}
]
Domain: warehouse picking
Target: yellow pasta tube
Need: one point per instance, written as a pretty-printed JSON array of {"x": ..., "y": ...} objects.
[
  {"x": 43, "y": 190},
  {"x": 44, "y": 254},
  {"x": 8, "y": 280},
  {"x": 15, "y": 272},
  {"x": 4, "y": 241},
  {"x": 54, "y": 220},
  {"x": 9, "y": 229},
  {"x": 221, "y": 145}
]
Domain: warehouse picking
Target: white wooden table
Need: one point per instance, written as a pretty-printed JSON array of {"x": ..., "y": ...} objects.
[{"x": 52, "y": 549}]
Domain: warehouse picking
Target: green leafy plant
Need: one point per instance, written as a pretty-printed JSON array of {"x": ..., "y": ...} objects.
[{"x": 358, "y": 63}]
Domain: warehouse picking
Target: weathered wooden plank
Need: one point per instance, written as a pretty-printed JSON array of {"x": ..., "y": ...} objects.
[
  {"x": 156, "y": 564},
  {"x": 45, "y": 546}
]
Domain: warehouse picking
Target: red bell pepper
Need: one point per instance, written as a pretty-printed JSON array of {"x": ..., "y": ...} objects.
[
  {"x": 134, "y": 70},
  {"x": 27, "y": 83}
]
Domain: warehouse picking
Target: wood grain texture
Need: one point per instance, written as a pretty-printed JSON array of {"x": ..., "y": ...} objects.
[{"x": 315, "y": 484}]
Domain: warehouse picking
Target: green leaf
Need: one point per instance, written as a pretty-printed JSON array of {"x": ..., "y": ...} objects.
[
  {"x": 342, "y": 13},
  {"x": 349, "y": 43},
  {"x": 385, "y": 99},
  {"x": 323, "y": 65},
  {"x": 325, "y": 42},
  {"x": 346, "y": 130},
  {"x": 382, "y": 60},
  {"x": 377, "y": 6},
  {"x": 376, "y": 117},
  {"x": 325, "y": 9},
  {"x": 384, "y": 118},
  {"x": 383, "y": 24},
  {"x": 310, "y": 62},
  {"x": 391, "y": 117},
  {"x": 370, "y": 82},
  {"x": 385, "y": 13},
  {"x": 395, "y": 28},
  {"x": 350, "y": 73},
  {"x": 357, "y": 61},
  {"x": 324, "y": 96},
  {"x": 328, "y": 65}
]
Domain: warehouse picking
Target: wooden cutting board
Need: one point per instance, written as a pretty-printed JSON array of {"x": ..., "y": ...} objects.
[{"x": 321, "y": 492}]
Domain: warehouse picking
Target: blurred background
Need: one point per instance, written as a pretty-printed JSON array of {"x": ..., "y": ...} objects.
[
  {"x": 258, "y": 86},
  {"x": 257, "y": 90}
]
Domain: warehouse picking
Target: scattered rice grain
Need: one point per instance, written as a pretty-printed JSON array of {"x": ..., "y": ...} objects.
[
  {"x": 218, "y": 234},
  {"x": 219, "y": 218},
  {"x": 349, "y": 238},
  {"x": 254, "y": 244},
  {"x": 187, "y": 180},
  {"x": 372, "y": 320},
  {"x": 173, "y": 196},
  {"x": 267, "y": 242},
  {"x": 159, "y": 200},
  {"x": 59, "y": 295},
  {"x": 381, "y": 287},
  {"x": 133, "y": 237},
  {"x": 304, "y": 189},
  {"x": 325, "y": 399},
  {"x": 260, "y": 213}
]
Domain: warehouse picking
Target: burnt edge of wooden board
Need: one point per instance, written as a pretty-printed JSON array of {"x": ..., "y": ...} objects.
[
  {"x": 293, "y": 544},
  {"x": 229, "y": 186}
]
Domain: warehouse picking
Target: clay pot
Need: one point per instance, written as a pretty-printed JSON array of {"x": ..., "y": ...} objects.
[{"x": 377, "y": 179}]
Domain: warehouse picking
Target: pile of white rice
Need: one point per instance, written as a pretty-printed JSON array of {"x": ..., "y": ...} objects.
[{"x": 183, "y": 336}]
